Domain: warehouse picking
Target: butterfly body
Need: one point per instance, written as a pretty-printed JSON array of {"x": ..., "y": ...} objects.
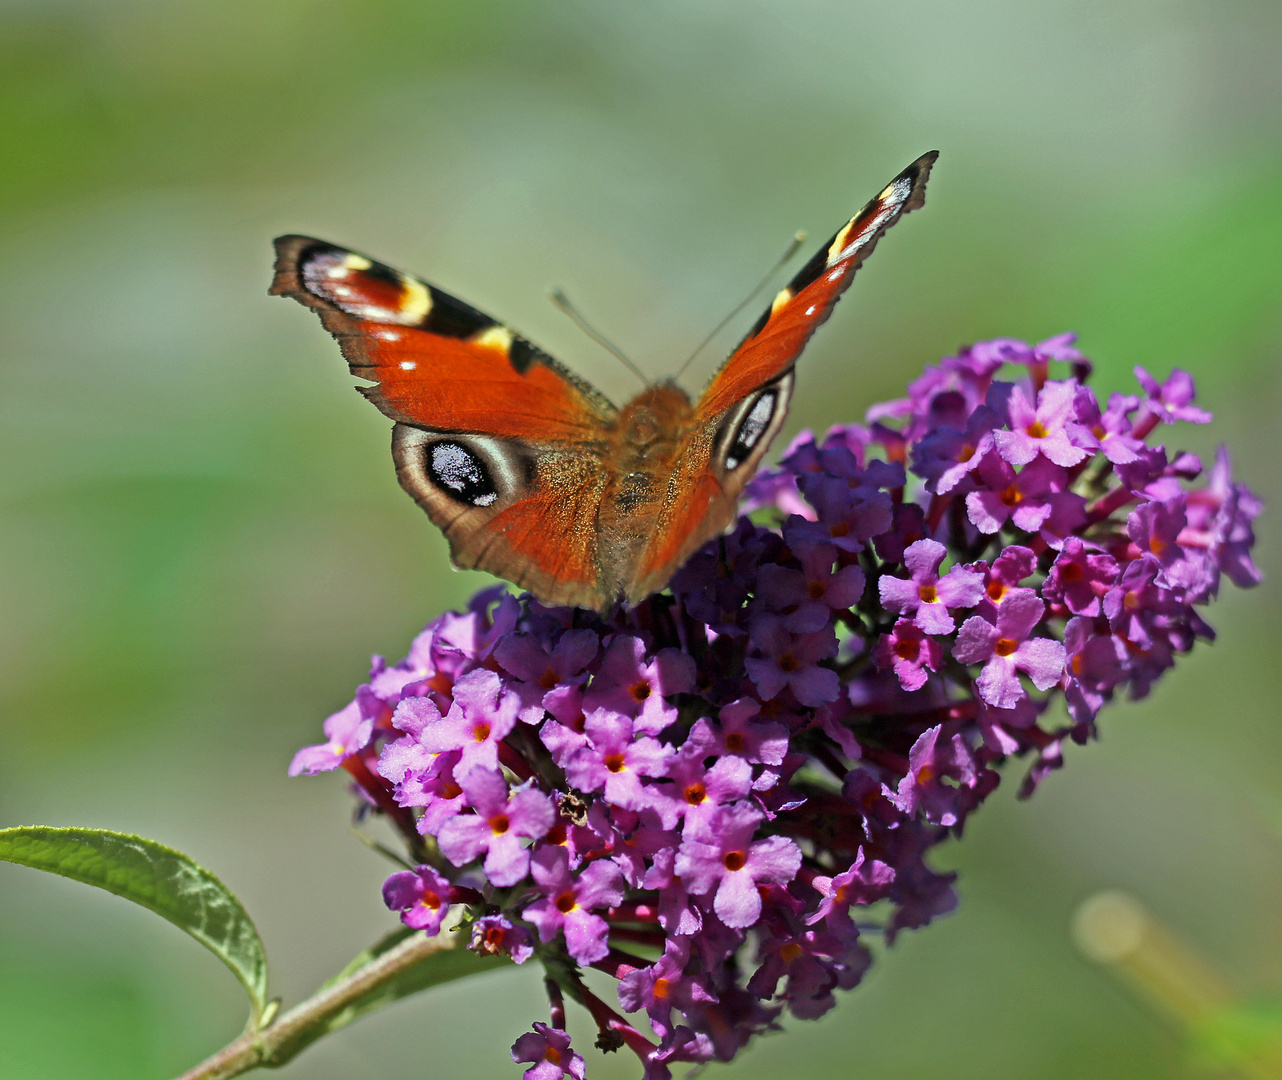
[{"x": 531, "y": 472}]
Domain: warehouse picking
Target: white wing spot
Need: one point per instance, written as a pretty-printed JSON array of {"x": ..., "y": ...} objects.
[
  {"x": 408, "y": 365},
  {"x": 810, "y": 310},
  {"x": 388, "y": 335}
]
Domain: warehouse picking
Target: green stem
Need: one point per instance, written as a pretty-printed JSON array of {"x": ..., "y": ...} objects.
[{"x": 277, "y": 1043}]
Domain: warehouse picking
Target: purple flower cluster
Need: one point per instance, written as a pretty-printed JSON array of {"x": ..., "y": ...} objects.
[{"x": 716, "y": 795}]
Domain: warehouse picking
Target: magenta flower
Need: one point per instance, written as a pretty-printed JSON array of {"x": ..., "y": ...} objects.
[
  {"x": 549, "y": 1049},
  {"x": 497, "y": 827},
  {"x": 421, "y": 895},
  {"x": 948, "y": 456},
  {"x": 1079, "y": 578},
  {"x": 807, "y": 597},
  {"x": 549, "y": 678},
  {"x": 737, "y": 732},
  {"x": 346, "y": 732},
  {"x": 635, "y": 688},
  {"x": 482, "y": 716},
  {"x": 909, "y": 652},
  {"x": 792, "y": 660},
  {"x": 568, "y": 902},
  {"x": 721, "y": 854},
  {"x": 1172, "y": 400},
  {"x": 664, "y": 985},
  {"x": 1051, "y": 429},
  {"x": 1026, "y": 499},
  {"x": 926, "y": 596},
  {"x": 615, "y": 762},
  {"x": 1005, "y": 649},
  {"x": 1002, "y": 579},
  {"x": 864, "y": 882},
  {"x": 697, "y": 790},
  {"x": 937, "y": 756},
  {"x": 493, "y": 935}
]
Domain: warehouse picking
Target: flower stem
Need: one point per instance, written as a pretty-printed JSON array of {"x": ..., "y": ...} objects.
[{"x": 277, "y": 1043}]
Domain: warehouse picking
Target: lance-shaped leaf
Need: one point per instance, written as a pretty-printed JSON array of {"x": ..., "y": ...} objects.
[{"x": 155, "y": 877}]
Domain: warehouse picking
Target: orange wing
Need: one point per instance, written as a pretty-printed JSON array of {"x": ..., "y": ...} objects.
[
  {"x": 804, "y": 304},
  {"x": 745, "y": 404},
  {"x": 438, "y": 362},
  {"x": 501, "y": 446}
]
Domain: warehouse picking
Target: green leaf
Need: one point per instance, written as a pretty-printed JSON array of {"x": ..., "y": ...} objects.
[
  {"x": 440, "y": 967},
  {"x": 158, "y": 878}
]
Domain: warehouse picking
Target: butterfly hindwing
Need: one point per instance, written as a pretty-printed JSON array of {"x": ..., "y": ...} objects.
[{"x": 502, "y": 446}]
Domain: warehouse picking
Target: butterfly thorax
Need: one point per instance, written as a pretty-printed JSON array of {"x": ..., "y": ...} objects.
[{"x": 649, "y": 428}]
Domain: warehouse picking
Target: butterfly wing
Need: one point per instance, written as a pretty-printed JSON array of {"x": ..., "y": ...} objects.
[
  {"x": 501, "y": 445},
  {"x": 746, "y": 402}
]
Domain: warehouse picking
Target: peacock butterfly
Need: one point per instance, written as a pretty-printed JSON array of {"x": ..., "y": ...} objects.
[{"x": 531, "y": 472}]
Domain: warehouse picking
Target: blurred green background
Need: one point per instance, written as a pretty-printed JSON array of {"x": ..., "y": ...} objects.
[{"x": 202, "y": 538}]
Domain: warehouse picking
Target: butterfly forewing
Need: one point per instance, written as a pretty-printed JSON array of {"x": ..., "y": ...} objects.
[
  {"x": 804, "y": 304},
  {"x": 435, "y": 358}
]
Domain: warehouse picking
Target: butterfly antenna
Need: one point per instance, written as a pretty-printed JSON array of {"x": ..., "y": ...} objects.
[
  {"x": 796, "y": 242},
  {"x": 563, "y": 302}
]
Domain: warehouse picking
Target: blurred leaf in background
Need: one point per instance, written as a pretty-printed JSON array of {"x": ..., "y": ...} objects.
[{"x": 202, "y": 538}]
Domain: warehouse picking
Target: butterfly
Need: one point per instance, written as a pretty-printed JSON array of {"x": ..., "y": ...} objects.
[{"x": 530, "y": 471}]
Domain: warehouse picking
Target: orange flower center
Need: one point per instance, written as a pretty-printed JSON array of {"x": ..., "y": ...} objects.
[
  {"x": 1005, "y": 646},
  {"x": 481, "y": 732},
  {"x": 789, "y": 663},
  {"x": 639, "y": 691},
  {"x": 790, "y": 952},
  {"x": 1070, "y": 572},
  {"x": 565, "y": 903},
  {"x": 736, "y": 860},
  {"x": 500, "y": 824},
  {"x": 816, "y": 590},
  {"x": 553, "y": 1055},
  {"x": 734, "y": 742},
  {"x": 662, "y": 988},
  {"x": 695, "y": 794},
  {"x": 1012, "y": 496},
  {"x": 1036, "y": 430},
  {"x": 996, "y": 590},
  {"x": 614, "y": 762},
  {"x": 908, "y": 649},
  {"x": 928, "y": 594},
  {"x": 430, "y": 900}
]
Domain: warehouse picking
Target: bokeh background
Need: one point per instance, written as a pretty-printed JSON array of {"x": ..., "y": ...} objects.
[{"x": 202, "y": 539}]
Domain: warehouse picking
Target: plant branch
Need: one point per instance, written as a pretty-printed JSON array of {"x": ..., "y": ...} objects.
[{"x": 277, "y": 1043}]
